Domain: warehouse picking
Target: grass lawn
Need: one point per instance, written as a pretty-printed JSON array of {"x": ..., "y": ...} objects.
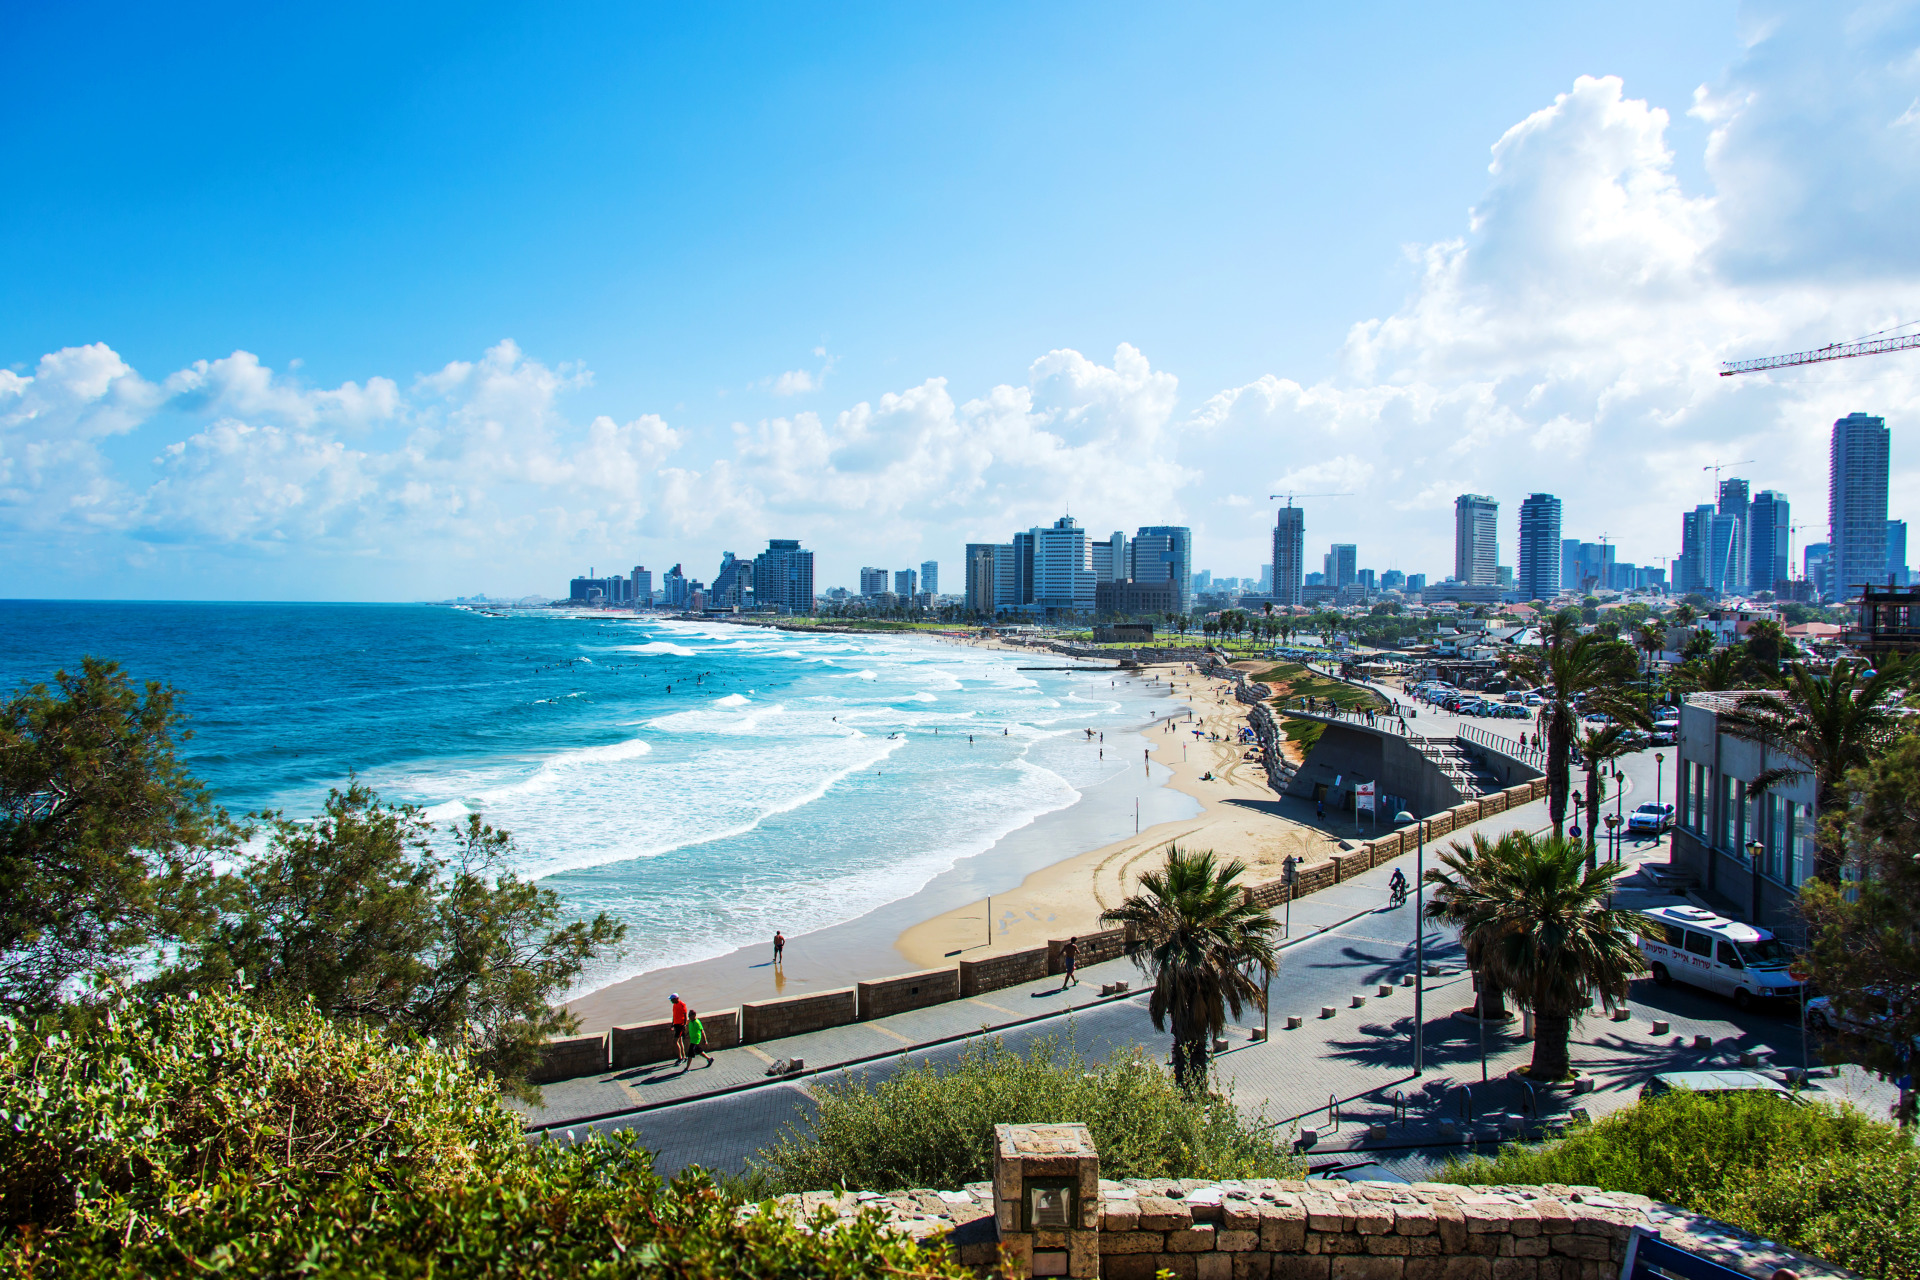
[{"x": 1291, "y": 680}]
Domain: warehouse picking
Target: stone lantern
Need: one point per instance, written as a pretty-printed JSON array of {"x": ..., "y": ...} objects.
[{"x": 1046, "y": 1190}]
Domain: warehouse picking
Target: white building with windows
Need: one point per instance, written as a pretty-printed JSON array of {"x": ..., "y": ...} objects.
[{"x": 1749, "y": 849}]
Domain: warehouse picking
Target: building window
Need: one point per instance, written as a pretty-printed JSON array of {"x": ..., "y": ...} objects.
[
  {"x": 1733, "y": 795},
  {"x": 1779, "y": 856}
]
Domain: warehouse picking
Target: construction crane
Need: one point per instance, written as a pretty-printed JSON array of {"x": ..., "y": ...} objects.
[
  {"x": 1717, "y": 467},
  {"x": 1871, "y": 345},
  {"x": 1291, "y": 496}
]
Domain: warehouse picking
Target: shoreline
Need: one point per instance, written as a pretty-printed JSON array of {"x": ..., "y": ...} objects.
[{"x": 1036, "y": 894}]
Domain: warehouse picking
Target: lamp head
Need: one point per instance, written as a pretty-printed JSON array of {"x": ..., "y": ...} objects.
[{"x": 1402, "y": 818}]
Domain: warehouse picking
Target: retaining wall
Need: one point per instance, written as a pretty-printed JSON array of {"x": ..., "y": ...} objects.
[
  {"x": 793, "y": 1015},
  {"x": 573, "y": 1056},
  {"x": 885, "y": 996},
  {"x": 644, "y": 1042},
  {"x": 1109, "y": 944},
  {"x": 995, "y": 972}
]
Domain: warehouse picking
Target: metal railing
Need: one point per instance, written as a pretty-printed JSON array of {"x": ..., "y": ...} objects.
[{"x": 1532, "y": 757}]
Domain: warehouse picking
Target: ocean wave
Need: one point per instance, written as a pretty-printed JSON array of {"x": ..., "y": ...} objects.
[
  {"x": 659, "y": 646},
  {"x": 731, "y": 700}
]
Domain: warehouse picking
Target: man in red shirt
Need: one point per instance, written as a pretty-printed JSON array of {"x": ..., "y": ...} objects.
[{"x": 680, "y": 1052}]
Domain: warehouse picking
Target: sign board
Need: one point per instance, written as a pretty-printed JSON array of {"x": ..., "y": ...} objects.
[{"x": 1363, "y": 797}]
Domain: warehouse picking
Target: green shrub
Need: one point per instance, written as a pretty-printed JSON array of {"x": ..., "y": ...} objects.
[
  {"x": 1683, "y": 1146},
  {"x": 1818, "y": 1177},
  {"x": 205, "y": 1135},
  {"x": 928, "y": 1127}
]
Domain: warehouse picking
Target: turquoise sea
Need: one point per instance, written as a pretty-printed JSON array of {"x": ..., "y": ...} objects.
[{"x": 707, "y": 783}]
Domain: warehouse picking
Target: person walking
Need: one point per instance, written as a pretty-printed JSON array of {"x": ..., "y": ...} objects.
[
  {"x": 779, "y": 945},
  {"x": 680, "y": 1053},
  {"x": 696, "y": 1041},
  {"x": 1069, "y": 961}
]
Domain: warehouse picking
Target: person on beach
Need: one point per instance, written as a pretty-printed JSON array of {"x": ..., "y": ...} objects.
[
  {"x": 696, "y": 1041},
  {"x": 779, "y": 945},
  {"x": 680, "y": 1053},
  {"x": 1069, "y": 961}
]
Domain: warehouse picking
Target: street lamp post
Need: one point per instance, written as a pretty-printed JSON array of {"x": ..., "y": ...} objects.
[
  {"x": 1419, "y": 938},
  {"x": 1659, "y": 758},
  {"x": 1755, "y": 851}
]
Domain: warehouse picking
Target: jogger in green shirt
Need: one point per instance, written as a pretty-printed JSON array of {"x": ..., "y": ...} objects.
[{"x": 696, "y": 1040}]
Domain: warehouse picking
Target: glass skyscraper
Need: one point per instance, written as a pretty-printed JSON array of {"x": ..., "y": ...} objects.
[
  {"x": 1857, "y": 504},
  {"x": 1539, "y": 577}
]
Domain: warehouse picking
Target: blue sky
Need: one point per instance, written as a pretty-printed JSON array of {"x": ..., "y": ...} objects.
[{"x": 395, "y": 304}]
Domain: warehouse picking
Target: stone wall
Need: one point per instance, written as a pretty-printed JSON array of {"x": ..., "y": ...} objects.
[
  {"x": 1092, "y": 948},
  {"x": 644, "y": 1042},
  {"x": 792, "y": 1015},
  {"x": 1268, "y": 1229},
  {"x": 995, "y": 972},
  {"x": 885, "y": 996},
  {"x": 573, "y": 1056}
]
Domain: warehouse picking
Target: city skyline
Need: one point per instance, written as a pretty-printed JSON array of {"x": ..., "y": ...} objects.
[{"x": 1532, "y": 294}]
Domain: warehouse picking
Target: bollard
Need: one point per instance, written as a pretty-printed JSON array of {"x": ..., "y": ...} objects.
[
  {"x": 1326, "y": 1011},
  {"x": 1407, "y": 979},
  {"x": 1295, "y": 1022},
  {"x": 1219, "y": 1044},
  {"x": 1359, "y": 1002},
  {"x": 1384, "y": 989},
  {"x": 1703, "y": 1043},
  {"x": 1660, "y": 1026},
  {"x": 1258, "y": 1033},
  {"x": 1376, "y": 1133},
  {"x": 1623, "y": 1014}
]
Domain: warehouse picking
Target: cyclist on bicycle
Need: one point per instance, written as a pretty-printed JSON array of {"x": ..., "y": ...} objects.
[{"x": 1397, "y": 886}]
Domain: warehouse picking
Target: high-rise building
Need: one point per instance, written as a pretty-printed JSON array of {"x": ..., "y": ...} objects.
[
  {"x": 1366, "y": 578},
  {"x": 1342, "y": 563},
  {"x": 980, "y": 594},
  {"x": 1734, "y": 503},
  {"x": 1819, "y": 565},
  {"x": 783, "y": 577},
  {"x": 930, "y": 577},
  {"x": 906, "y": 583},
  {"x": 1416, "y": 583},
  {"x": 1289, "y": 563},
  {"x": 642, "y": 586},
  {"x": 1110, "y": 558},
  {"x": 1897, "y": 552},
  {"x": 1592, "y": 565},
  {"x": 1769, "y": 529},
  {"x": 1393, "y": 580},
  {"x": 733, "y": 585},
  {"x": 873, "y": 582},
  {"x": 1857, "y": 504},
  {"x": 1266, "y": 580},
  {"x": 1476, "y": 544},
  {"x": 1540, "y": 544},
  {"x": 1503, "y": 576},
  {"x": 675, "y": 587},
  {"x": 1164, "y": 553},
  {"x": 1062, "y": 570},
  {"x": 1709, "y": 543}
]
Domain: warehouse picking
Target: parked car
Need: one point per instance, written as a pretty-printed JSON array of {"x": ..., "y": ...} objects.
[
  {"x": 1696, "y": 946},
  {"x": 1715, "y": 1082},
  {"x": 1650, "y": 819},
  {"x": 1875, "y": 1022}
]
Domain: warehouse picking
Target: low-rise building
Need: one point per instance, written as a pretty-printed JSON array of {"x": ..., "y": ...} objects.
[{"x": 1720, "y": 817}]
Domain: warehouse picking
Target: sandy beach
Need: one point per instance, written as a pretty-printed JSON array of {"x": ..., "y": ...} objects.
[
  {"x": 1239, "y": 817},
  {"x": 1035, "y": 893}
]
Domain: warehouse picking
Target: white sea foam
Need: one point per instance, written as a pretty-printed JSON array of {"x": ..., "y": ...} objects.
[
  {"x": 659, "y": 646},
  {"x": 731, "y": 700}
]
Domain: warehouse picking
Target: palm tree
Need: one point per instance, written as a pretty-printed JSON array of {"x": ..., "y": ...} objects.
[
  {"x": 1824, "y": 726},
  {"x": 1207, "y": 946},
  {"x": 1599, "y": 747},
  {"x": 1683, "y": 615},
  {"x": 1720, "y": 671},
  {"x": 1460, "y": 899},
  {"x": 1592, "y": 667},
  {"x": 1547, "y": 935}
]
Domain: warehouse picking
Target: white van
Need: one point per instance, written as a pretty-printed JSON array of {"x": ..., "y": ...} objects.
[{"x": 1695, "y": 946}]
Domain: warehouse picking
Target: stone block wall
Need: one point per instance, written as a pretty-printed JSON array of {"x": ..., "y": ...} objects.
[
  {"x": 885, "y": 996},
  {"x": 995, "y": 972},
  {"x": 1108, "y": 944},
  {"x": 792, "y": 1015},
  {"x": 573, "y": 1056},
  {"x": 645, "y": 1042},
  {"x": 1268, "y": 1229}
]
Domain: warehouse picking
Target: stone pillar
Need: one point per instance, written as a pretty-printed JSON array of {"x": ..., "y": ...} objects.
[{"x": 1046, "y": 1193}]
